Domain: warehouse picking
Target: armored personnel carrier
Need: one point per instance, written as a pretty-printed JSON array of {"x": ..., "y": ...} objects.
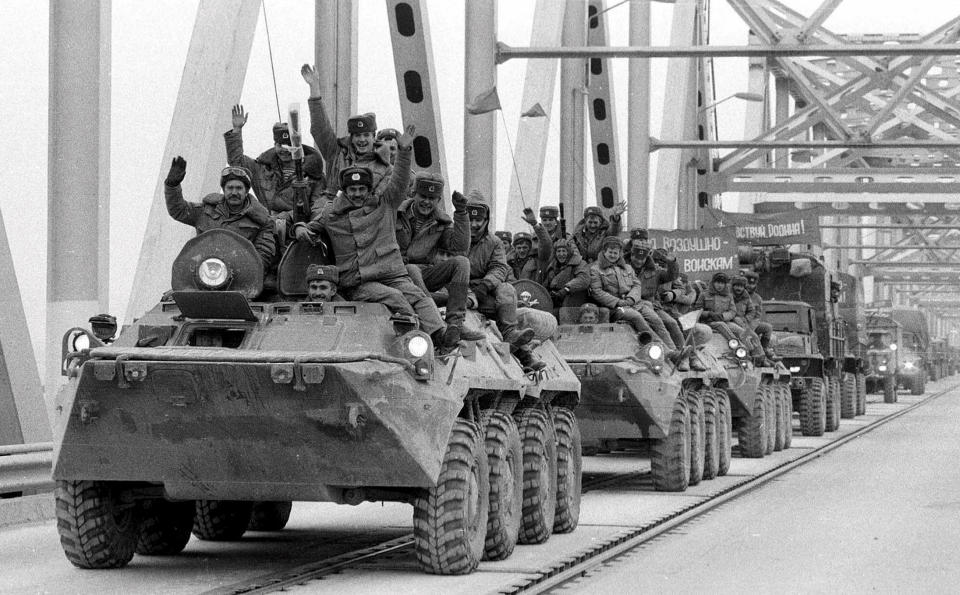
[
  {"x": 885, "y": 339},
  {"x": 215, "y": 410}
]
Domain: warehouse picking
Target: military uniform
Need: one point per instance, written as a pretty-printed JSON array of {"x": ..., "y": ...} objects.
[
  {"x": 568, "y": 282},
  {"x": 589, "y": 243},
  {"x": 611, "y": 282},
  {"x": 339, "y": 153}
]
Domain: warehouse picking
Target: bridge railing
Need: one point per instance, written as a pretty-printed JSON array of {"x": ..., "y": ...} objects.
[{"x": 26, "y": 468}]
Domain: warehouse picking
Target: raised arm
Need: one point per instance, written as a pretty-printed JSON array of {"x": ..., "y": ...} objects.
[
  {"x": 177, "y": 207},
  {"x": 324, "y": 135},
  {"x": 456, "y": 240},
  {"x": 396, "y": 188}
]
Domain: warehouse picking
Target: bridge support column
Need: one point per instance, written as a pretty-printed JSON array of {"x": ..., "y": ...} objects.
[
  {"x": 638, "y": 115},
  {"x": 480, "y": 75},
  {"x": 335, "y": 42},
  {"x": 572, "y": 87}
]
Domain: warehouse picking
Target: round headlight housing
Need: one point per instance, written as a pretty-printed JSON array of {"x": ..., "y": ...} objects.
[
  {"x": 741, "y": 352},
  {"x": 655, "y": 351},
  {"x": 213, "y": 273},
  {"x": 733, "y": 343},
  {"x": 79, "y": 341},
  {"x": 418, "y": 346}
]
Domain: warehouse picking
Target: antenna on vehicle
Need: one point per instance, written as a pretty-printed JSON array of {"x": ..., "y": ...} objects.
[{"x": 270, "y": 51}]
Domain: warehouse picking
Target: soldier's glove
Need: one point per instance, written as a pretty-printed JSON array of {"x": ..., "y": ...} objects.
[
  {"x": 625, "y": 304},
  {"x": 178, "y": 171},
  {"x": 667, "y": 296},
  {"x": 303, "y": 234},
  {"x": 560, "y": 295},
  {"x": 459, "y": 202}
]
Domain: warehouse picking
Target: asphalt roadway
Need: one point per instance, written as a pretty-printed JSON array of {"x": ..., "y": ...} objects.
[{"x": 880, "y": 514}]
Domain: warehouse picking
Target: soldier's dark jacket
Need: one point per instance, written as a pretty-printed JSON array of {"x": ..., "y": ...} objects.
[{"x": 440, "y": 234}]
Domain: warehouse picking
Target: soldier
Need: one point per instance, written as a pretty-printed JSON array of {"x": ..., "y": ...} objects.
[
  {"x": 322, "y": 280},
  {"x": 760, "y": 327},
  {"x": 592, "y": 230},
  {"x": 488, "y": 280},
  {"x": 678, "y": 299},
  {"x": 614, "y": 286},
  {"x": 588, "y": 314},
  {"x": 387, "y": 138},
  {"x": 718, "y": 308},
  {"x": 235, "y": 209},
  {"x": 747, "y": 315},
  {"x": 424, "y": 232},
  {"x": 361, "y": 224},
  {"x": 506, "y": 238},
  {"x": 358, "y": 149},
  {"x": 104, "y": 327},
  {"x": 527, "y": 262},
  {"x": 567, "y": 277},
  {"x": 550, "y": 219}
]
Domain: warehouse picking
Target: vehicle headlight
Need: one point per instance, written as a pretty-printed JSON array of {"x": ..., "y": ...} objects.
[
  {"x": 733, "y": 343},
  {"x": 908, "y": 365},
  {"x": 741, "y": 352},
  {"x": 655, "y": 351},
  {"x": 80, "y": 341},
  {"x": 794, "y": 369},
  {"x": 418, "y": 346},
  {"x": 882, "y": 367},
  {"x": 213, "y": 273}
]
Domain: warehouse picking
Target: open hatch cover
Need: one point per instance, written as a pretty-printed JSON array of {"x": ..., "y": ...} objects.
[{"x": 231, "y": 305}]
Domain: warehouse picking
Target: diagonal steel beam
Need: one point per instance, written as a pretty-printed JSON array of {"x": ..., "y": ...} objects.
[{"x": 821, "y": 14}]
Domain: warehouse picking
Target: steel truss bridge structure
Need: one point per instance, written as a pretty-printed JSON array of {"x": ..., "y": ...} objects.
[{"x": 862, "y": 127}]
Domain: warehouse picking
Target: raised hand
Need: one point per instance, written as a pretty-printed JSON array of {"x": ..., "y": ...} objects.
[
  {"x": 459, "y": 202},
  {"x": 528, "y": 216},
  {"x": 620, "y": 209},
  {"x": 238, "y": 117},
  {"x": 311, "y": 76},
  {"x": 178, "y": 171},
  {"x": 405, "y": 140}
]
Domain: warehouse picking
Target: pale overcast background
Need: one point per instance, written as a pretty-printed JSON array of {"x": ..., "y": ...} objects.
[{"x": 149, "y": 47}]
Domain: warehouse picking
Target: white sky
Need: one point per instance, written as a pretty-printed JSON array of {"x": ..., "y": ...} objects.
[{"x": 149, "y": 47}]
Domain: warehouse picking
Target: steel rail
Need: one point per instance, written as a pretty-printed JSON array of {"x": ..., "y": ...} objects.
[
  {"x": 604, "y": 553},
  {"x": 27, "y": 471},
  {"x": 855, "y": 143}
]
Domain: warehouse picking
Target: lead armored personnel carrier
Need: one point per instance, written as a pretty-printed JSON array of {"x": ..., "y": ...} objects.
[{"x": 215, "y": 410}]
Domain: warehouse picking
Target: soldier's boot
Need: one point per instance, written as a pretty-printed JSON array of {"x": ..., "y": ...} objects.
[
  {"x": 466, "y": 333},
  {"x": 696, "y": 363},
  {"x": 516, "y": 336},
  {"x": 529, "y": 360},
  {"x": 445, "y": 340},
  {"x": 767, "y": 350}
]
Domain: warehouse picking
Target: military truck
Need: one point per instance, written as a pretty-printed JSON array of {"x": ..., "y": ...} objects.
[
  {"x": 915, "y": 353},
  {"x": 213, "y": 405},
  {"x": 833, "y": 298},
  {"x": 885, "y": 338}
]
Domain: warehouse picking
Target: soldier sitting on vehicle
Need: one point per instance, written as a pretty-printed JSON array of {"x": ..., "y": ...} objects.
[
  {"x": 718, "y": 309},
  {"x": 589, "y": 314},
  {"x": 567, "y": 276},
  {"x": 613, "y": 285},
  {"x": 761, "y": 327},
  {"x": 747, "y": 316},
  {"x": 235, "y": 209},
  {"x": 322, "y": 280},
  {"x": 527, "y": 262},
  {"x": 594, "y": 228},
  {"x": 423, "y": 233},
  {"x": 677, "y": 300},
  {"x": 361, "y": 224},
  {"x": 550, "y": 219},
  {"x": 359, "y": 149},
  {"x": 488, "y": 280}
]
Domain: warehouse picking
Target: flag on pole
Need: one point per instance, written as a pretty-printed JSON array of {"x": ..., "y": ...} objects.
[
  {"x": 485, "y": 102},
  {"x": 534, "y": 112}
]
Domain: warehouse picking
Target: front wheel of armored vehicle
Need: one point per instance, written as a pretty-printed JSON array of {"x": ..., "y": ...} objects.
[
  {"x": 98, "y": 527},
  {"x": 813, "y": 408},
  {"x": 889, "y": 389},
  {"x": 505, "y": 458},
  {"x": 270, "y": 516},
  {"x": 848, "y": 396},
  {"x": 539, "y": 440},
  {"x": 787, "y": 414},
  {"x": 221, "y": 520},
  {"x": 711, "y": 443},
  {"x": 752, "y": 433},
  {"x": 861, "y": 394},
  {"x": 779, "y": 416},
  {"x": 771, "y": 412},
  {"x": 670, "y": 456},
  {"x": 724, "y": 431},
  {"x": 165, "y": 529},
  {"x": 450, "y": 519},
  {"x": 569, "y": 470},
  {"x": 697, "y": 432},
  {"x": 833, "y": 404}
]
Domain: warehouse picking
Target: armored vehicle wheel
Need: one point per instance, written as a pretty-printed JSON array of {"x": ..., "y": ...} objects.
[
  {"x": 889, "y": 389},
  {"x": 724, "y": 431},
  {"x": 539, "y": 441},
  {"x": 221, "y": 520},
  {"x": 833, "y": 404},
  {"x": 270, "y": 516},
  {"x": 918, "y": 385},
  {"x": 670, "y": 456},
  {"x": 505, "y": 458},
  {"x": 779, "y": 415},
  {"x": 97, "y": 529},
  {"x": 787, "y": 415},
  {"x": 861, "y": 394},
  {"x": 813, "y": 408},
  {"x": 165, "y": 529},
  {"x": 770, "y": 410},
  {"x": 697, "y": 431},
  {"x": 848, "y": 396},
  {"x": 711, "y": 443},
  {"x": 450, "y": 519},
  {"x": 752, "y": 431},
  {"x": 569, "y": 470}
]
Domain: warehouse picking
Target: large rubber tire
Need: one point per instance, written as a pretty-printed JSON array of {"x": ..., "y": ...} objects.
[
  {"x": 889, "y": 389},
  {"x": 813, "y": 408},
  {"x": 697, "y": 432},
  {"x": 848, "y": 396},
  {"x": 779, "y": 415},
  {"x": 787, "y": 398},
  {"x": 724, "y": 431},
  {"x": 450, "y": 519},
  {"x": 505, "y": 459},
  {"x": 96, "y": 529},
  {"x": 919, "y": 385},
  {"x": 165, "y": 528},
  {"x": 833, "y": 404},
  {"x": 771, "y": 413},
  {"x": 569, "y": 470},
  {"x": 539, "y": 441},
  {"x": 670, "y": 456},
  {"x": 752, "y": 431},
  {"x": 861, "y": 394},
  {"x": 221, "y": 520},
  {"x": 270, "y": 516},
  {"x": 711, "y": 442}
]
